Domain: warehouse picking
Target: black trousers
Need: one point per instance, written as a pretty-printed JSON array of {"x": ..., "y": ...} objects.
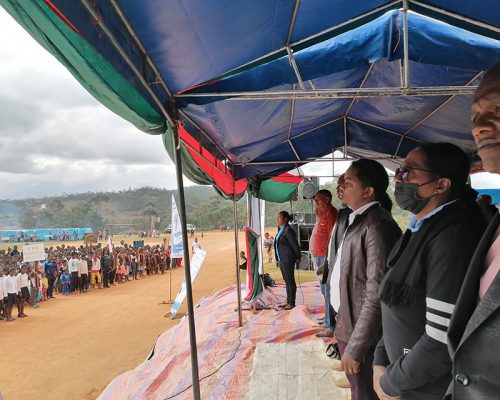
[
  {"x": 287, "y": 271},
  {"x": 111, "y": 276},
  {"x": 74, "y": 281},
  {"x": 105, "y": 277},
  {"x": 83, "y": 283},
  {"x": 50, "y": 288}
]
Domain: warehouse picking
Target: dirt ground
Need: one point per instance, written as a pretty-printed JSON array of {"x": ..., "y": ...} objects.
[{"x": 72, "y": 347}]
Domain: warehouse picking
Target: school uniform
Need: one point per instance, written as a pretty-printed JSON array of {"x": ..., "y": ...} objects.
[
  {"x": 10, "y": 290},
  {"x": 23, "y": 284}
]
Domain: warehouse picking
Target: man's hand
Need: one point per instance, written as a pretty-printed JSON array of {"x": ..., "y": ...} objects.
[
  {"x": 378, "y": 372},
  {"x": 350, "y": 365}
]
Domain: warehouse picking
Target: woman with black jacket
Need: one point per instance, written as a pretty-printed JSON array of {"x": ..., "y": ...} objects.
[
  {"x": 426, "y": 269},
  {"x": 287, "y": 252}
]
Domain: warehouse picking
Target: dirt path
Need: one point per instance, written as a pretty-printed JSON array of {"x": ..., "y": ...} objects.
[{"x": 72, "y": 347}]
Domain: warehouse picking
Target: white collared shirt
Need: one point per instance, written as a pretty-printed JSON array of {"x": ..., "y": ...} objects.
[
  {"x": 73, "y": 265},
  {"x": 335, "y": 278},
  {"x": 10, "y": 285}
]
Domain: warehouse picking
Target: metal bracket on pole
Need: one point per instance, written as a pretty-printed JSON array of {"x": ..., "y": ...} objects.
[
  {"x": 237, "y": 254},
  {"x": 295, "y": 68}
]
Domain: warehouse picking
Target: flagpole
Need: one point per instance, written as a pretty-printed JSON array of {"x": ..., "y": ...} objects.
[
  {"x": 187, "y": 266},
  {"x": 237, "y": 251}
]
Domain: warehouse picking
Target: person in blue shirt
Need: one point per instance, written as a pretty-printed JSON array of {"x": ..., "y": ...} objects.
[
  {"x": 50, "y": 270},
  {"x": 66, "y": 282}
]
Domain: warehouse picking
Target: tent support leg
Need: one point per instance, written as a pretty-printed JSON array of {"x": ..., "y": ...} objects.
[
  {"x": 187, "y": 266},
  {"x": 237, "y": 254}
]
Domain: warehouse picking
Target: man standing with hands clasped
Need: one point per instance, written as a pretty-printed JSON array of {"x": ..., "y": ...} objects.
[{"x": 474, "y": 330}]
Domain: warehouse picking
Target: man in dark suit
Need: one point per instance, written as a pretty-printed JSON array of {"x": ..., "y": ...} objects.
[{"x": 474, "y": 330}]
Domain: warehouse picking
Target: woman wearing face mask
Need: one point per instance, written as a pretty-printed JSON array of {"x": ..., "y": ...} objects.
[
  {"x": 426, "y": 270},
  {"x": 358, "y": 266},
  {"x": 287, "y": 251}
]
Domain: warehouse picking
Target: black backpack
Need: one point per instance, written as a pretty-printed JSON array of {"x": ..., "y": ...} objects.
[{"x": 268, "y": 281}]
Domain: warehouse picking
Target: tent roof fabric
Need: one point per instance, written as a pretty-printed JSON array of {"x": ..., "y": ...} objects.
[{"x": 266, "y": 86}]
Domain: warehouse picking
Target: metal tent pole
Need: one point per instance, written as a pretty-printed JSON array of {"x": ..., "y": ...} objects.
[
  {"x": 187, "y": 266},
  {"x": 237, "y": 254},
  {"x": 406, "y": 50}
]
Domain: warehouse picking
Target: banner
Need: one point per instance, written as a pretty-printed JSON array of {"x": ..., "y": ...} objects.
[
  {"x": 198, "y": 258},
  {"x": 177, "y": 247},
  {"x": 138, "y": 244},
  {"x": 33, "y": 252},
  {"x": 90, "y": 238},
  {"x": 254, "y": 283}
]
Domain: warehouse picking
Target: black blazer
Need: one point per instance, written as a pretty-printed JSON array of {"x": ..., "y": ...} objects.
[
  {"x": 474, "y": 331},
  {"x": 287, "y": 246}
]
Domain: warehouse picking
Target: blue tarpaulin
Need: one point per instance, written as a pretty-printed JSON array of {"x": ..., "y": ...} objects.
[{"x": 213, "y": 55}]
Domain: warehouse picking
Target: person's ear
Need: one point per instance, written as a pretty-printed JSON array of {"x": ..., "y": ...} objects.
[
  {"x": 369, "y": 192},
  {"x": 443, "y": 185}
]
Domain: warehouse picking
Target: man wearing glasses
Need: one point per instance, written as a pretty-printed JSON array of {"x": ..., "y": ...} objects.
[{"x": 474, "y": 331}]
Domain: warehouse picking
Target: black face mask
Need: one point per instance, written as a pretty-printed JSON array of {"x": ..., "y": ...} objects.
[{"x": 408, "y": 199}]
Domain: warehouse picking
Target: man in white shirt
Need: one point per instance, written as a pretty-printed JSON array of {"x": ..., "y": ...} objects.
[
  {"x": 83, "y": 272},
  {"x": 73, "y": 269},
  {"x": 195, "y": 245},
  {"x": 10, "y": 290}
]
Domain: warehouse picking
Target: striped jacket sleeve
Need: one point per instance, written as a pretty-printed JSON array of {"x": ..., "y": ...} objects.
[{"x": 448, "y": 257}]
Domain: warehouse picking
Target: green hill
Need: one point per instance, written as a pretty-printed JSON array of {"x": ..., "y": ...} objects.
[{"x": 132, "y": 209}]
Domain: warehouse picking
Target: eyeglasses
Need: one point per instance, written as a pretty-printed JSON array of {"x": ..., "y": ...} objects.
[{"x": 402, "y": 173}]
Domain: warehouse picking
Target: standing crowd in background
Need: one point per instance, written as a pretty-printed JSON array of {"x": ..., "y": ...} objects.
[{"x": 71, "y": 270}]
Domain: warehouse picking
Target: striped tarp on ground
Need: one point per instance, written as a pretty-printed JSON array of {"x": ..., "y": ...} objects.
[{"x": 225, "y": 352}]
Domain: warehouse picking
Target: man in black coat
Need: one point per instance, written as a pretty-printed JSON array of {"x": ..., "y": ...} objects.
[{"x": 474, "y": 331}]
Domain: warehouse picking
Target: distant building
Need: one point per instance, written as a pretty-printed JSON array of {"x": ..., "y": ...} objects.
[{"x": 43, "y": 206}]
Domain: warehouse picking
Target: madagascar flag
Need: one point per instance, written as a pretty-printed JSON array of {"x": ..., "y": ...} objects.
[
  {"x": 254, "y": 283},
  {"x": 279, "y": 189}
]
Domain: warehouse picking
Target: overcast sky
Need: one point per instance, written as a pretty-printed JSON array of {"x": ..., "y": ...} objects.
[{"x": 55, "y": 138}]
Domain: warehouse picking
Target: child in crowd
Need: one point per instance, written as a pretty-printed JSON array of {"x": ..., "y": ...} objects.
[
  {"x": 243, "y": 260},
  {"x": 23, "y": 285},
  {"x": 45, "y": 285},
  {"x": 2, "y": 315},
  {"x": 10, "y": 291},
  {"x": 66, "y": 282}
]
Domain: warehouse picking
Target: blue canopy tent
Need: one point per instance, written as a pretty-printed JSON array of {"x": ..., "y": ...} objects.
[{"x": 265, "y": 86}]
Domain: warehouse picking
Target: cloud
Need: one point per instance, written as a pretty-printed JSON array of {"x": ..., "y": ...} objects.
[{"x": 56, "y": 138}]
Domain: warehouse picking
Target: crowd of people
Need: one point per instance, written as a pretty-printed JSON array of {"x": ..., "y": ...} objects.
[
  {"x": 71, "y": 270},
  {"x": 414, "y": 315}
]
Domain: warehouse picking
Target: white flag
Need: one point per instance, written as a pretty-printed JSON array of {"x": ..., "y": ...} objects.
[{"x": 177, "y": 247}]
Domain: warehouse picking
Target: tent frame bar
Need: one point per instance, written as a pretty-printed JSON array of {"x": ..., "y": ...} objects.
[
  {"x": 295, "y": 68},
  {"x": 457, "y": 16},
  {"x": 309, "y": 160},
  {"x": 237, "y": 254},
  {"x": 344, "y": 93},
  {"x": 406, "y": 49},
  {"x": 444, "y": 103},
  {"x": 292, "y": 22}
]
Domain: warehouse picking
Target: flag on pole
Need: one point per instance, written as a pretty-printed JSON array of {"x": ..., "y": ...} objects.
[
  {"x": 254, "y": 283},
  {"x": 177, "y": 250}
]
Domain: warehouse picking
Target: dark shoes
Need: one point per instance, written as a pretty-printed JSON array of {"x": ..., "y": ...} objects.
[
  {"x": 288, "y": 307},
  {"x": 325, "y": 334}
]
